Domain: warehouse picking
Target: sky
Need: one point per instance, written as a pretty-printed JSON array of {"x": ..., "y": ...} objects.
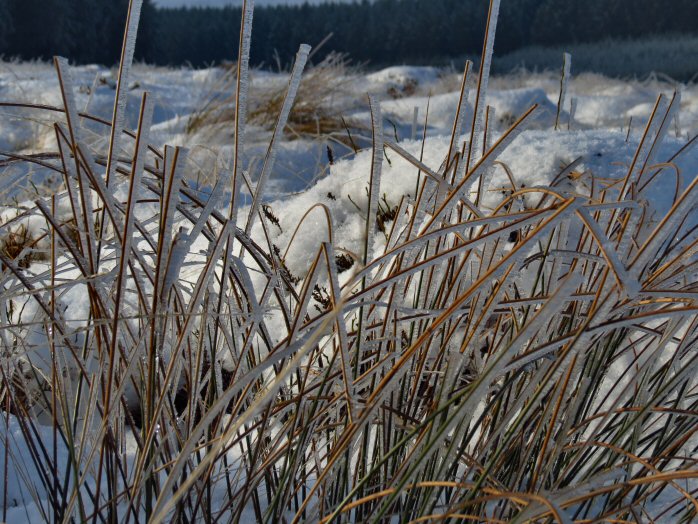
[{"x": 178, "y": 3}]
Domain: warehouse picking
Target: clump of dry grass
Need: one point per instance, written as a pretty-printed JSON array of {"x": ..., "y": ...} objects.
[
  {"x": 218, "y": 105},
  {"x": 456, "y": 375},
  {"x": 19, "y": 245},
  {"x": 323, "y": 99},
  {"x": 319, "y": 107}
]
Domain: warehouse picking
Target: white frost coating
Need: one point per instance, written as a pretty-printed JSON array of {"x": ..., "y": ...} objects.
[
  {"x": 481, "y": 100},
  {"x": 243, "y": 85},
  {"x": 416, "y": 245},
  {"x": 574, "y": 102},
  {"x": 296, "y": 353},
  {"x": 93, "y": 90},
  {"x": 119, "y": 117},
  {"x": 73, "y": 172},
  {"x": 293, "y": 85},
  {"x": 562, "y": 240},
  {"x": 467, "y": 87},
  {"x": 491, "y": 119},
  {"x": 341, "y": 330},
  {"x": 178, "y": 254},
  {"x": 564, "y": 84},
  {"x": 145, "y": 120},
  {"x": 645, "y": 148},
  {"x": 75, "y": 201},
  {"x": 172, "y": 181},
  {"x": 625, "y": 244},
  {"x": 667, "y": 121},
  {"x": 502, "y": 361},
  {"x": 400, "y": 227},
  {"x": 66, "y": 79},
  {"x": 686, "y": 202},
  {"x": 415, "y": 123},
  {"x": 497, "y": 366},
  {"x": 256, "y": 309},
  {"x": 465, "y": 186},
  {"x": 376, "y": 170},
  {"x": 374, "y": 192},
  {"x": 459, "y": 123},
  {"x": 677, "y": 120},
  {"x": 629, "y": 284},
  {"x": 211, "y": 205},
  {"x": 215, "y": 251}
]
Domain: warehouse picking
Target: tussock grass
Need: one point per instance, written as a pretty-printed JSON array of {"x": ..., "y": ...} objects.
[
  {"x": 320, "y": 107},
  {"x": 534, "y": 361},
  {"x": 19, "y": 245}
]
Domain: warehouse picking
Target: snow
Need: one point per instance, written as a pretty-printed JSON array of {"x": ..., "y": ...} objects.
[
  {"x": 478, "y": 130},
  {"x": 270, "y": 159},
  {"x": 177, "y": 94},
  {"x": 303, "y": 175},
  {"x": 403, "y": 79},
  {"x": 297, "y": 182},
  {"x": 598, "y": 134}
]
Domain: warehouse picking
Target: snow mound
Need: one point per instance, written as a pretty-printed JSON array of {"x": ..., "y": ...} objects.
[
  {"x": 399, "y": 81},
  {"x": 534, "y": 159},
  {"x": 513, "y": 103}
]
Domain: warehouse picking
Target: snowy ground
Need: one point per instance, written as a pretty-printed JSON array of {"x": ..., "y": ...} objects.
[
  {"x": 601, "y": 104},
  {"x": 603, "y": 132}
]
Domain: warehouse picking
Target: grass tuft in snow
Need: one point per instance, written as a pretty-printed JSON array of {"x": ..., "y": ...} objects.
[{"x": 318, "y": 109}]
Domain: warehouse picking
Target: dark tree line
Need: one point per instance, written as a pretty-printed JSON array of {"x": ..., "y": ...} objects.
[
  {"x": 379, "y": 31},
  {"x": 86, "y": 31}
]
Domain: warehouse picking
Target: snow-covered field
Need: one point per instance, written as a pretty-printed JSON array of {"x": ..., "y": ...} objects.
[
  {"x": 602, "y": 137},
  {"x": 602, "y": 104},
  {"x": 604, "y": 130}
]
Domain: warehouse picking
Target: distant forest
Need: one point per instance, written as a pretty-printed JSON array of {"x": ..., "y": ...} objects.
[{"x": 377, "y": 32}]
